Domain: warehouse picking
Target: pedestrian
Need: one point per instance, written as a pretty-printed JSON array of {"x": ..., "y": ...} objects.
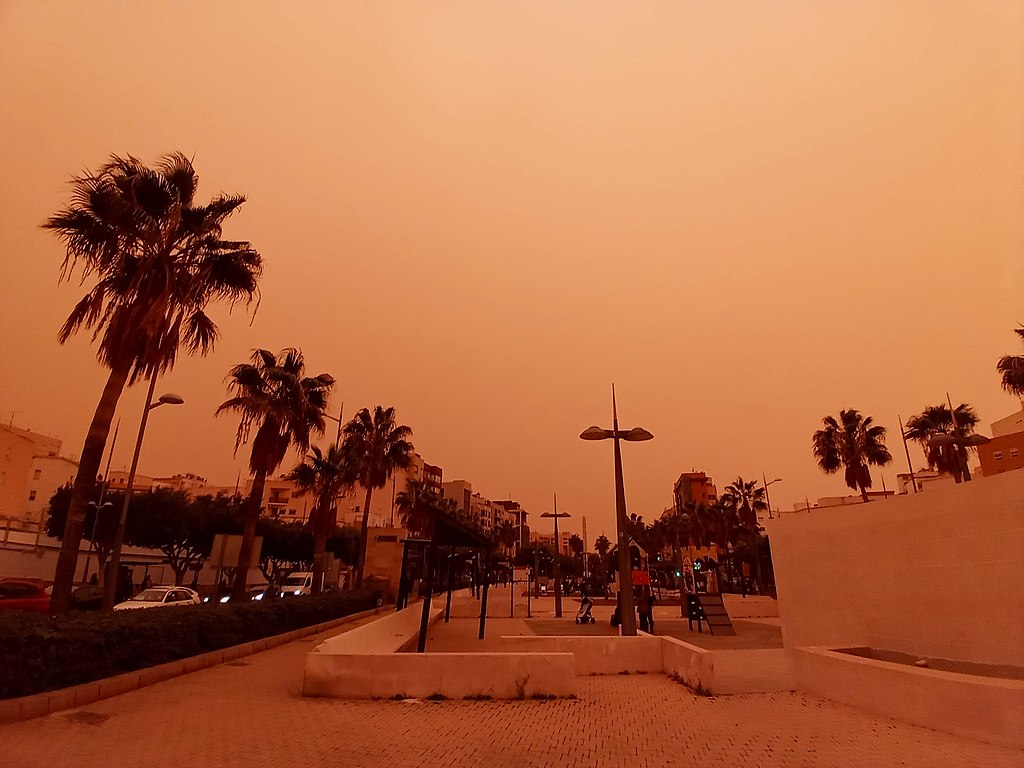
[{"x": 645, "y": 607}]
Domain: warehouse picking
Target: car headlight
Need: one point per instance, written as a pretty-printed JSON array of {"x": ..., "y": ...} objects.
[
  {"x": 259, "y": 596},
  {"x": 225, "y": 598},
  {"x": 297, "y": 592}
]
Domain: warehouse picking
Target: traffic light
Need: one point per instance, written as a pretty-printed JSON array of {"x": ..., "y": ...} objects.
[
  {"x": 679, "y": 574},
  {"x": 698, "y": 565}
]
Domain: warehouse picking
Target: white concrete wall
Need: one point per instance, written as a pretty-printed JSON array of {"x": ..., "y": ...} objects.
[
  {"x": 452, "y": 675},
  {"x": 384, "y": 635},
  {"x": 936, "y": 573},
  {"x": 595, "y": 655},
  {"x": 983, "y": 708}
]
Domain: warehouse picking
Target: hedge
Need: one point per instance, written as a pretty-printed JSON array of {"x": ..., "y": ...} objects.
[{"x": 44, "y": 653}]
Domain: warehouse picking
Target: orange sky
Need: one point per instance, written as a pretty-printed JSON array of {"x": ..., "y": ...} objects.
[{"x": 746, "y": 215}]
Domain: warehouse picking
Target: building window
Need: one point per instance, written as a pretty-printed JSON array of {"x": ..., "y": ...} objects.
[
  {"x": 31, "y": 495},
  {"x": 997, "y": 455},
  {"x": 1013, "y": 453},
  {"x": 37, "y": 474}
]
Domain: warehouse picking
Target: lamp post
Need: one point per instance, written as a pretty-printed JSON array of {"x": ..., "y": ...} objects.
[
  {"x": 767, "y": 498},
  {"x": 114, "y": 564},
  {"x": 558, "y": 551},
  {"x": 627, "y": 615}
]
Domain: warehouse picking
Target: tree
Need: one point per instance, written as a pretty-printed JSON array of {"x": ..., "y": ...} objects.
[
  {"x": 748, "y": 499},
  {"x": 180, "y": 527},
  {"x": 327, "y": 476},
  {"x": 853, "y": 442},
  {"x": 936, "y": 420},
  {"x": 1011, "y": 369},
  {"x": 602, "y": 546},
  {"x": 157, "y": 260},
  {"x": 506, "y": 535},
  {"x": 99, "y": 526},
  {"x": 576, "y": 545},
  {"x": 377, "y": 446},
  {"x": 286, "y": 547},
  {"x": 417, "y": 505},
  {"x": 273, "y": 395}
]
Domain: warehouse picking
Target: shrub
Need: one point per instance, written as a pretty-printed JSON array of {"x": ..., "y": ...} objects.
[{"x": 43, "y": 653}]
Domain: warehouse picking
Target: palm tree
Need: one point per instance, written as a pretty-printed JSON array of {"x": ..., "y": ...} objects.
[
  {"x": 378, "y": 446},
  {"x": 748, "y": 499},
  {"x": 853, "y": 442},
  {"x": 507, "y": 535},
  {"x": 326, "y": 476},
  {"x": 1011, "y": 368},
  {"x": 272, "y": 394},
  {"x": 416, "y": 505},
  {"x": 936, "y": 420},
  {"x": 158, "y": 260}
]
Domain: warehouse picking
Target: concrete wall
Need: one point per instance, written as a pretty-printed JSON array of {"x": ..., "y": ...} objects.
[
  {"x": 983, "y": 708},
  {"x": 935, "y": 573},
  {"x": 601, "y": 655},
  {"x": 385, "y": 635},
  {"x": 725, "y": 672},
  {"x": 451, "y": 675}
]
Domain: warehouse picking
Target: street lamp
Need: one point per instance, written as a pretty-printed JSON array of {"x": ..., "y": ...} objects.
[
  {"x": 627, "y": 615},
  {"x": 114, "y": 564},
  {"x": 558, "y": 551},
  {"x": 767, "y": 498}
]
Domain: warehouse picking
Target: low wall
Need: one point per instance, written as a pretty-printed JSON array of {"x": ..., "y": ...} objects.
[
  {"x": 385, "y": 635},
  {"x": 365, "y": 663},
  {"x": 448, "y": 675},
  {"x": 595, "y": 655},
  {"x": 751, "y": 607},
  {"x": 724, "y": 672},
  {"x": 989, "y": 709}
]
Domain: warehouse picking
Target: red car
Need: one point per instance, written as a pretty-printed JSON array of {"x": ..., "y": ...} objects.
[{"x": 24, "y": 595}]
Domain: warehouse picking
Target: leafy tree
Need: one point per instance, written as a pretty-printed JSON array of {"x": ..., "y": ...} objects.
[
  {"x": 158, "y": 260},
  {"x": 182, "y": 528},
  {"x": 343, "y": 543},
  {"x": 377, "y": 446},
  {"x": 506, "y": 535},
  {"x": 1011, "y": 370},
  {"x": 576, "y": 545},
  {"x": 327, "y": 476},
  {"x": 273, "y": 395},
  {"x": 853, "y": 442},
  {"x": 286, "y": 547},
  {"x": 934, "y": 421}
]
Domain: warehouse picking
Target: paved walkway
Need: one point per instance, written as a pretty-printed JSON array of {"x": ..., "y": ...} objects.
[{"x": 249, "y": 714}]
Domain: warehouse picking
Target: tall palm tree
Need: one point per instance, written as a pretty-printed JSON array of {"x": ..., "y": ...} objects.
[
  {"x": 378, "y": 446},
  {"x": 853, "y": 442},
  {"x": 936, "y": 420},
  {"x": 416, "y": 505},
  {"x": 327, "y": 476},
  {"x": 158, "y": 259},
  {"x": 507, "y": 535},
  {"x": 1011, "y": 368},
  {"x": 748, "y": 499},
  {"x": 273, "y": 395}
]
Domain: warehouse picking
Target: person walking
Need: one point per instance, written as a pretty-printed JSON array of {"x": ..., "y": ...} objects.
[{"x": 645, "y": 607}]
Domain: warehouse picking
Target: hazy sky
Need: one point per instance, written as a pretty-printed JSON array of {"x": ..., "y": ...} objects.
[{"x": 746, "y": 215}]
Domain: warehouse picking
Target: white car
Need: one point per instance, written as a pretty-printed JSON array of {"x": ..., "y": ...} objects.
[{"x": 155, "y": 597}]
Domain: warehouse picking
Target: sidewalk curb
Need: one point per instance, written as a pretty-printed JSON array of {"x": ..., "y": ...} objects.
[{"x": 47, "y": 702}]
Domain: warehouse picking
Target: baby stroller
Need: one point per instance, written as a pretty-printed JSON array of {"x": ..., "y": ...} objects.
[{"x": 583, "y": 614}]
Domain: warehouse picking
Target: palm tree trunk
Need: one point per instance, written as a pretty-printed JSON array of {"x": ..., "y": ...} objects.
[
  {"x": 319, "y": 548},
  {"x": 864, "y": 494},
  {"x": 84, "y": 488},
  {"x": 253, "y": 507},
  {"x": 363, "y": 538}
]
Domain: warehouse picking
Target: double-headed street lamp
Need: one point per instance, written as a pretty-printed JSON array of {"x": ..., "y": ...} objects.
[
  {"x": 767, "y": 498},
  {"x": 114, "y": 564},
  {"x": 558, "y": 552},
  {"x": 960, "y": 441},
  {"x": 627, "y": 614}
]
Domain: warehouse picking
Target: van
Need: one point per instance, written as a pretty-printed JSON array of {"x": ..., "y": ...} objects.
[{"x": 297, "y": 583}]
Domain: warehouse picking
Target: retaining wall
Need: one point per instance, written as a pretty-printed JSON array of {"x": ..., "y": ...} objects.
[{"x": 989, "y": 709}]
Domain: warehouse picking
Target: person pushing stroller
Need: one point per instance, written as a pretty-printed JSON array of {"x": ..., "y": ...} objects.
[{"x": 583, "y": 615}]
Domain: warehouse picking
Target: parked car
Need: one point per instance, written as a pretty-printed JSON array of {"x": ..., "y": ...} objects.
[
  {"x": 297, "y": 583},
  {"x": 156, "y": 597},
  {"x": 88, "y": 597},
  {"x": 25, "y": 595}
]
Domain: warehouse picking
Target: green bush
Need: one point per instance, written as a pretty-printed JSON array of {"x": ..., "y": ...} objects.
[{"x": 43, "y": 653}]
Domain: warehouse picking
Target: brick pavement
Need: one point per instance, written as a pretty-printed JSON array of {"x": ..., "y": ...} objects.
[{"x": 249, "y": 714}]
